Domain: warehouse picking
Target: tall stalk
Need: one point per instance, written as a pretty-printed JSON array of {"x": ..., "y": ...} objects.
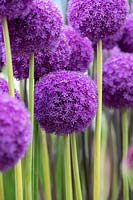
[
  {"x": 125, "y": 148},
  {"x": 47, "y": 181},
  {"x": 97, "y": 136},
  {"x": 28, "y": 157},
  {"x": 1, "y": 187},
  {"x": 18, "y": 170},
  {"x": 75, "y": 167},
  {"x": 67, "y": 168}
]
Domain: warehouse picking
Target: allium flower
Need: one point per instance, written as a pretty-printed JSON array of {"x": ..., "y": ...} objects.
[
  {"x": 4, "y": 88},
  {"x": 2, "y": 50},
  {"x": 40, "y": 29},
  {"x": 65, "y": 102},
  {"x": 117, "y": 81},
  {"x": 126, "y": 42},
  {"x": 15, "y": 131},
  {"x": 128, "y": 165},
  {"x": 14, "y": 8},
  {"x": 97, "y": 19},
  {"x": 82, "y": 52},
  {"x": 55, "y": 60}
]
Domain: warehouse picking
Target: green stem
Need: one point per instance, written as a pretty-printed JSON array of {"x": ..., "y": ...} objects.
[
  {"x": 1, "y": 187},
  {"x": 8, "y": 56},
  {"x": 97, "y": 137},
  {"x": 67, "y": 168},
  {"x": 18, "y": 170},
  {"x": 28, "y": 157},
  {"x": 125, "y": 148},
  {"x": 21, "y": 90},
  {"x": 47, "y": 182},
  {"x": 75, "y": 167},
  {"x": 35, "y": 161}
]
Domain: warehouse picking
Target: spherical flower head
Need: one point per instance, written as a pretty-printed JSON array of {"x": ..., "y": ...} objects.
[
  {"x": 97, "y": 19},
  {"x": 56, "y": 59},
  {"x": 4, "y": 88},
  {"x": 126, "y": 42},
  {"x": 117, "y": 81},
  {"x": 15, "y": 131},
  {"x": 82, "y": 52},
  {"x": 65, "y": 102},
  {"x": 14, "y": 8},
  {"x": 40, "y": 29},
  {"x": 2, "y": 51},
  {"x": 128, "y": 165}
]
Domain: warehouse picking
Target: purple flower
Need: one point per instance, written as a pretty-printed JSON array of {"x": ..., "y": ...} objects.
[
  {"x": 14, "y": 8},
  {"x": 15, "y": 131},
  {"x": 65, "y": 102},
  {"x": 2, "y": 51},
  {"x": 40, "y": 29},
  {"x": 55, "y": 60},
  {"x": 4, "y": 88},
  {"x": 126, "y": 42},
  {"x": 82, "y": 52},
  {"x": 97, "y": 19},
  {"x": 117, "y": 81}
]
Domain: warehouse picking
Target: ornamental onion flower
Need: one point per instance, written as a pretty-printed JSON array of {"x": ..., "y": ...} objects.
[
  {"x": 81, "y": 50},
  {"x": 40, "y": 29},
  {"x": 65, "y": 102},
  {"x": 117, "y": 81},
  {"x": 4, "y": 88},
  {"x": 126, "y": 42},
  {"x": 14, "y": 8},
  {"x": 14, "y": 131},
  {"x": 97, "y": 19}
]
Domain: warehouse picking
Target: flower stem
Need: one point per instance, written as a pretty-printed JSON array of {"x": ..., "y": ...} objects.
[
  {"x": 28, "y": 157},
  {"x": 125, "y": 148},
  {"x": 8, "y": 56},
  {"x": 47, "y": 182},
  {"x": 18, "y": 170},
  {"x": 75, "y": 167},
  {"x": 21, "y": 90},
  {"x": 67, "y": 168},
  {"x": 1, "y": 187},
  {"x": 97, "y": 137},
  {"x": 35, "y": 161}
]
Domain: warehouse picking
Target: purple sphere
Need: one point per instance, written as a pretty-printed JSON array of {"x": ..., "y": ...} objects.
[
  {"x": 40, "y": 29},
  {"x": 81, "y": 50},
  {"x": 55, "y": 60},
  {"x": 4, "y": 88},
  {"x": 126, "y": 42},
  {"x": 65, "y": 102},
  {"x": 97, "y": 19},
  {"x": 15, "y": 131},
  {"x": 118, "y": 81},
  {"x": 14, "y": 8}
]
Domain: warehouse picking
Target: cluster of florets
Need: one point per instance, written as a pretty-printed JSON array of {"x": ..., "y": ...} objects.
[
  {"x": 15, "y": 131},
  {"x": 65, "y": 102},
  {"x": 117, "y": 81},
  {"x": 97, "y": 19},
  {"x": 39, "y": 29},
  {"x": 81, "y": 50},
  {"x": 126, "y": 42},
  {"x": 72, "y": 53},
  {"x": 14, "y": 8},
  {"x": 4, "y": 88}
]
